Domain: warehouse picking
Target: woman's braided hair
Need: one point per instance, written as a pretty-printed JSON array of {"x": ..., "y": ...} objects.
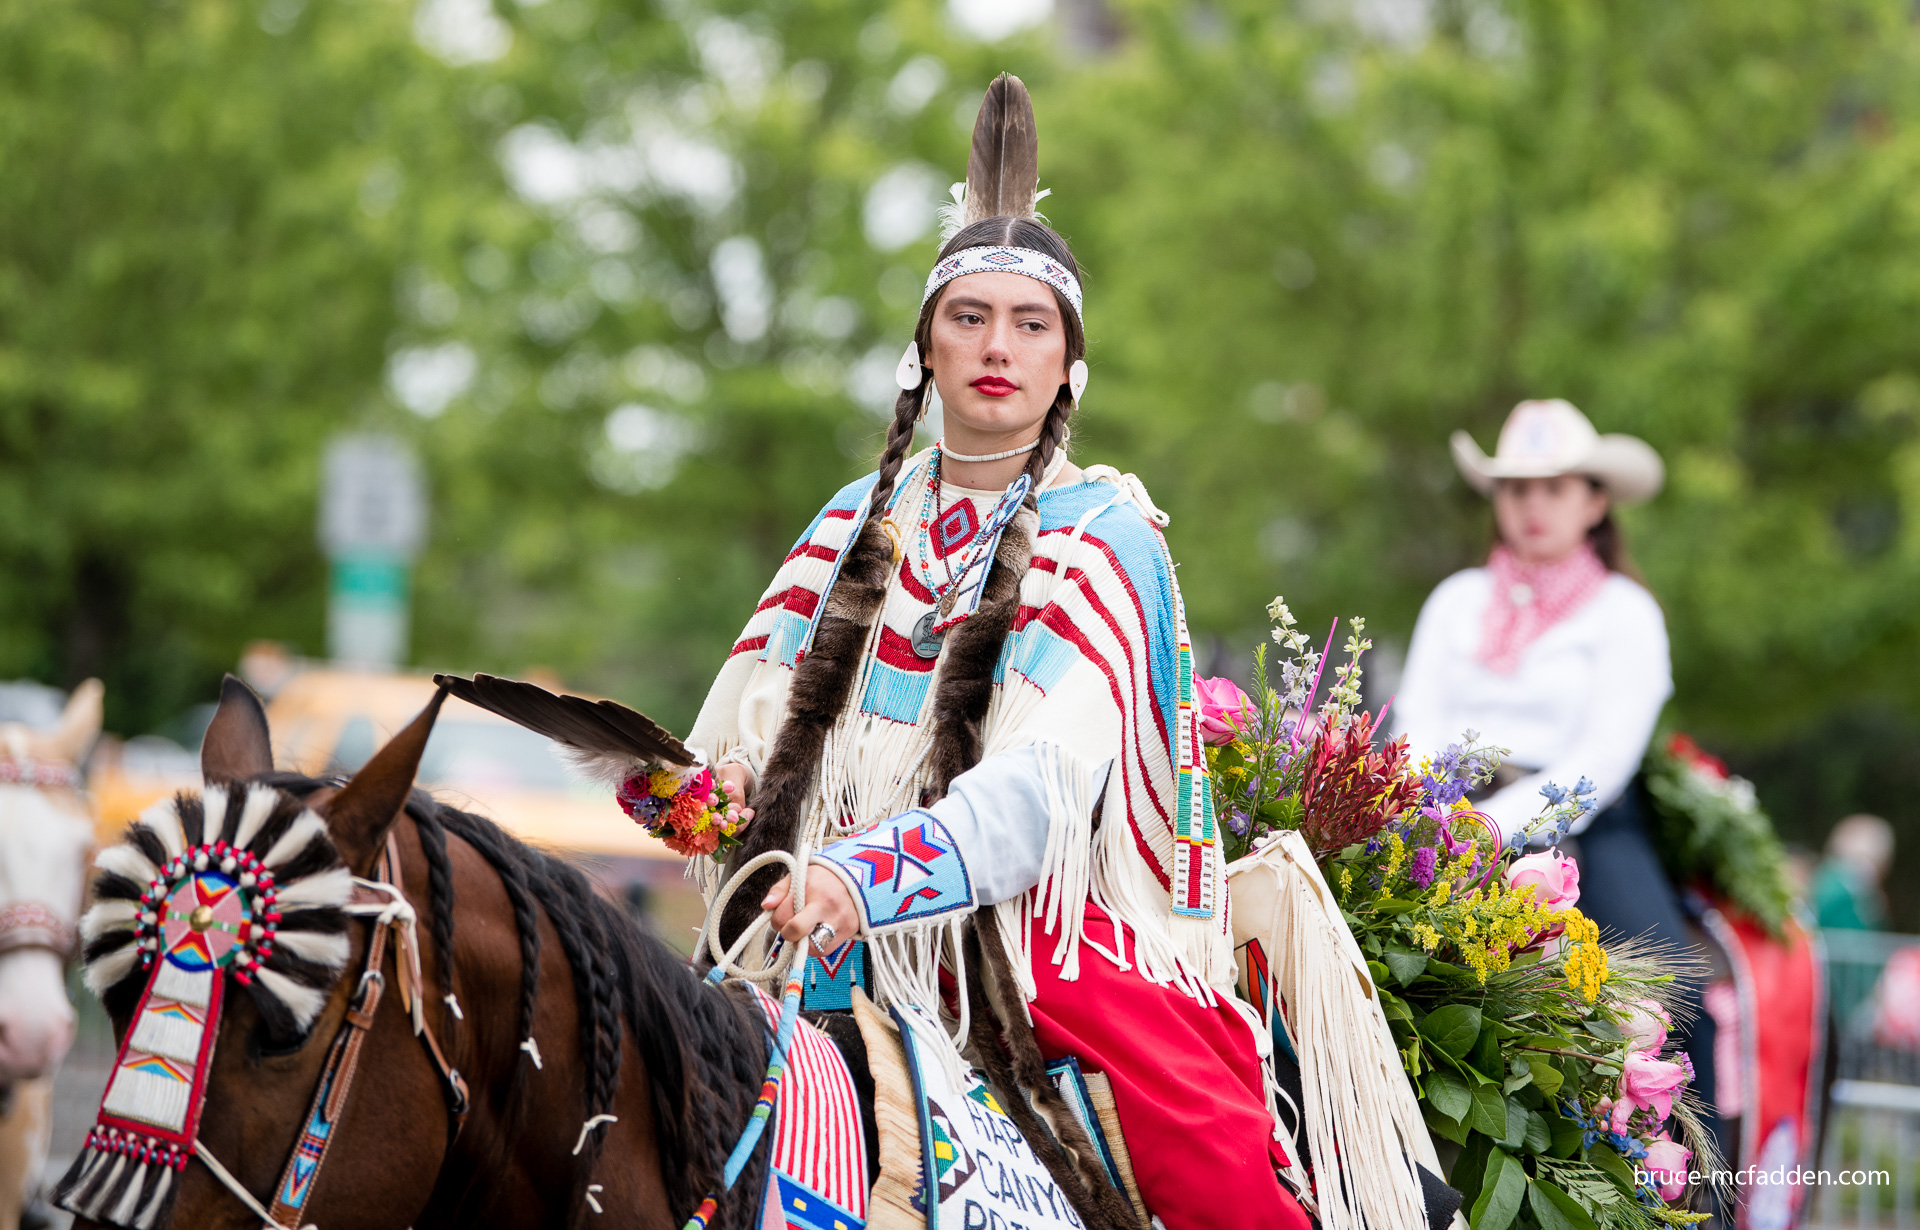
[{"x": 987, "y": 233}]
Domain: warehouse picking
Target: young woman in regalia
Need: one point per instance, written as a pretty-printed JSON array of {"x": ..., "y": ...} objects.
[
  {"x": 973, "y": 666},
  {"x": 1555, "y": 651}
]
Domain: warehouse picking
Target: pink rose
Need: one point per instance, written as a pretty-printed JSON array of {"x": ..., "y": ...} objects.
[
  {"x": 1666, "y": 1164},
  {"x": 1224, "y": 708},
  {"x": 1646, "y": 1026},
  {"x": 1647, "y": 1082},
  {"x": 1555, "y": 879}
]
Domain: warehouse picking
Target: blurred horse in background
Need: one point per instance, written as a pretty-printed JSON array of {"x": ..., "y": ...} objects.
[{"x": 45, "y": 833}]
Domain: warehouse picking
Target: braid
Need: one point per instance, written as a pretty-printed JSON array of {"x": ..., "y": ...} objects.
[
  {"x": 906, "y": 412},
  {"x": 1052, "y": 432},
  {"x": 433, "y": 845}
]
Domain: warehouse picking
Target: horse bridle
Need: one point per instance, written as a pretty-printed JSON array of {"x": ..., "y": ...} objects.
[
  {"x": 32, "y": 924},
  {"x": 385, "y": 904}
]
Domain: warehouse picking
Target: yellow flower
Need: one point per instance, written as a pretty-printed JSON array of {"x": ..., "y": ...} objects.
[
  {"x": 1428, "y": 937},
  {"x": 1396, "y": 855},
  {"x": 662, "y": 784},
  {"x": 1586, "y": 960},
  {"x": 1441, "y": 892}
]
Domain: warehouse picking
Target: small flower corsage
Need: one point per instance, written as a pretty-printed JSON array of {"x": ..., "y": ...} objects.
[{"x": 686, "y": 808}]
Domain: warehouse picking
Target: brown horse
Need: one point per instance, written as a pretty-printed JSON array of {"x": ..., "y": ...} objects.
[{"x": 621, "y": 1027}]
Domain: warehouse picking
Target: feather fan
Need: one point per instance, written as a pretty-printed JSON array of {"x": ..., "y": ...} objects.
[
  {"x": 604, "y": 737},
  {"x": 1003, "y": 169}
]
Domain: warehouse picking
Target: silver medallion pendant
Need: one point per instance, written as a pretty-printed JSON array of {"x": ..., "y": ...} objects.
[{"x": 926, "y": 642}]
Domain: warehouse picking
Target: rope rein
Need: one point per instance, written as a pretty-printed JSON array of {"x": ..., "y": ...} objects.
[{"x": 791, "y": 963}]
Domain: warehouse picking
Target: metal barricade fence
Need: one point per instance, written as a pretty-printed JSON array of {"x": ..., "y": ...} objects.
[{"x": 1870, "y": 1157}]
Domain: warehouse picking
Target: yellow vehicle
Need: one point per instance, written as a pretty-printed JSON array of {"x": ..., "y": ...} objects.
[{"x": 328, "y": 720}]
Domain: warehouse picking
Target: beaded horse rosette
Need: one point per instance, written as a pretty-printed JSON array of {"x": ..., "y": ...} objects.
[{"x": 242, "y": 885}]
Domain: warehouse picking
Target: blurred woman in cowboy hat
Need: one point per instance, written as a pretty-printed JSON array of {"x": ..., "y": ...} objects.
[{"x": 1555, "y": 651}]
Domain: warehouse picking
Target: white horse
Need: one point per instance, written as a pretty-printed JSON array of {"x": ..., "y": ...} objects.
[{"x": 45, "y": 833}]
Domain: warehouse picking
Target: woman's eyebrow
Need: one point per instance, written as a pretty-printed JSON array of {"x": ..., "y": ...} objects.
[{"x": 981, "y": 305}]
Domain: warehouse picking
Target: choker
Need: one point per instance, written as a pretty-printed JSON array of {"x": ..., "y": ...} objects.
[{"x": 1012, "y": 452}]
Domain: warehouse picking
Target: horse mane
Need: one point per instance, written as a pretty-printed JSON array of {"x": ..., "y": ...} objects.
[{"x": 704, "y": 1048}]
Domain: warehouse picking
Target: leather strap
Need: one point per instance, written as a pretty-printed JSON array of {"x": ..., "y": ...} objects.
[
  {"x": 31, "y": 924},
  {"x": 343, "y": 1059}
]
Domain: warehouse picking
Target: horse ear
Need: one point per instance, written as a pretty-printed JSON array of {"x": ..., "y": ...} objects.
[
  {"x": 237, "y": 747},
  {"x": 359, "y": 816},
  {"x": 79, "y": 724}
]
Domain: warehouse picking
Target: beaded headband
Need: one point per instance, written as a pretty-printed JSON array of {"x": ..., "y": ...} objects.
[{"x": 1036, "y": 265}]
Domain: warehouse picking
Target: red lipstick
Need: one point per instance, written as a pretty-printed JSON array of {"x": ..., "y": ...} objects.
[{"x": 995, "y": 386}]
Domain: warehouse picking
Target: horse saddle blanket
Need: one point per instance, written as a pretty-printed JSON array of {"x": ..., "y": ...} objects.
[{"x": 818, "y": 1176}]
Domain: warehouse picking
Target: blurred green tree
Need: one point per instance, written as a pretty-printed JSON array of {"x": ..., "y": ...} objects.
[
  {"x": 635, "y": 276},
  {"x": 207, "y": 210}
]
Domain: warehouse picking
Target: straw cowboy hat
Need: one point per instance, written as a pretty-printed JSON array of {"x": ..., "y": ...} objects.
[{"x": 1544, "y": 439}]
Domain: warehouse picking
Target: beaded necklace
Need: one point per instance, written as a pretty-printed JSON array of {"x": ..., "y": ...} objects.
[{"x": 926, "y": 642}]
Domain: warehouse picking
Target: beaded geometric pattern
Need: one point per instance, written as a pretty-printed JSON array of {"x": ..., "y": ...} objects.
[{"x": 1036, "y": 265}]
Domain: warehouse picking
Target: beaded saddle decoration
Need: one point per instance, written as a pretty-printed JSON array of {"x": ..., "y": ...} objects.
[{"x": 189, "y": 915}]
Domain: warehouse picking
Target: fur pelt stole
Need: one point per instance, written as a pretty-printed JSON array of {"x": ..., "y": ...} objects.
[{"x": 823, "y": 684}]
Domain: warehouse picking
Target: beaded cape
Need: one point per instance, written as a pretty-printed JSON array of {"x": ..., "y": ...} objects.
[{"x": 1097, "y": 666}]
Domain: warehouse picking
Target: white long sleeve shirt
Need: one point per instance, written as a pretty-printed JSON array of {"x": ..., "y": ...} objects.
[{"x": 1583, "y": 702}]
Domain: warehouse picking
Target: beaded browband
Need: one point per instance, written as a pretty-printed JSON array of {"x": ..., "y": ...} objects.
[{"x": 1036, "y": 265}]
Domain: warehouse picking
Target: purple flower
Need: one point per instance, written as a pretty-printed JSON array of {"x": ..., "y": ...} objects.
[
  {"x": 1237, "y": 823},
  {"x": 1425, "y": 861}
]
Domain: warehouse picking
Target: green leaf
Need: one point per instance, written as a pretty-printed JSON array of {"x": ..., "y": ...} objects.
[
  {"x": 1515, "y": 1137},
  {"x": 1609, "y": 1162},
  {"x": 1451, "y": 972},
  {"x": 1453, "y": 1028},
  {"x": 1486, "y": 1055},
  {"x": 1406, "y": 966},
  {"x": 1546, "y": 1077},
  {"x": 1489, "y": 1113},
  {"x": 1378, "y": 971},
  {"x": 1225, "y": 757},
  {"x": 1449, "y": 1095},
  {"x": 1395, "y": 906},
  {"x": 1500, "y": 1190},
  {"x": 1539, "y": 1135},
  {"x": 1513, "y": 1084},
  {"x": 1525, "y": 959},
  {"x": 1557, "y": 1210},
  {"x": 1469, "y": 1168},
  {"x": 1394, "y": 1007},
  {"x": 1442, "y": 1126},
  {"x": 1567, "y": 1136},
  {"x": 1601, "y": 1027}
]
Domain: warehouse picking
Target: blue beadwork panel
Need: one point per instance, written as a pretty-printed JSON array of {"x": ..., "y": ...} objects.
[
  {"x": 828, "y": 985},
  {"x": 802, "y": 1208},
  {"x": 908, "y": 869}
]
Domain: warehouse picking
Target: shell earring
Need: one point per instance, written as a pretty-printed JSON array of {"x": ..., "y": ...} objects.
[
  {"x": 1077, "y": 379},
  {"x": 909, "y": 374}
]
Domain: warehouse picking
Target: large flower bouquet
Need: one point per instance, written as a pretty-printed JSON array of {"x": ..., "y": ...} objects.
[
  {"x": 1711, "y": 832},
  {"x": 1542, "y": 1055}
]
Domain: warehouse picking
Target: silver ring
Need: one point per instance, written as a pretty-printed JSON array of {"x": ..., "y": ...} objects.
[{"x": 823, "y": 936}]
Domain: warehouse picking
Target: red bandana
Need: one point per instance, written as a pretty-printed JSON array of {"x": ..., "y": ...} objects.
[{"x": 1528, "y": 599}]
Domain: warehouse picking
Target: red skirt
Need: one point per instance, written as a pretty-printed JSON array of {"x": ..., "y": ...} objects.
[{"x": 1186, "y": 1082}]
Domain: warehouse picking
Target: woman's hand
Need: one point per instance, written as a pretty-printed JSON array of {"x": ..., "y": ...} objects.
[
  {"x": 733, "y": 782},
  {"x": 828, "y": 901}
]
